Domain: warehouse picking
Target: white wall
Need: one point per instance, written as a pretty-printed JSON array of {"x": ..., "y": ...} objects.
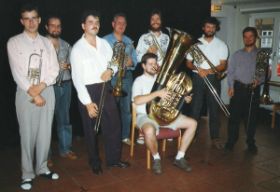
[{"x": 234, "y": 18}]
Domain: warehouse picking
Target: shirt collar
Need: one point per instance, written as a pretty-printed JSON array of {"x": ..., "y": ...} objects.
[
  {"x": 88, "y": 44},
  {"x": 201, "y": 39},
  {"x": 29, "y": 38}
]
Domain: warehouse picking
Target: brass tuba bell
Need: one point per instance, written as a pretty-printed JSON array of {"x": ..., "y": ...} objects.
[{"x": 179, "y": 85}]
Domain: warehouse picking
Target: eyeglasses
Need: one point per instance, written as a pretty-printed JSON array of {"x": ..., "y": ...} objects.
[{"x": 30, "y": 19}]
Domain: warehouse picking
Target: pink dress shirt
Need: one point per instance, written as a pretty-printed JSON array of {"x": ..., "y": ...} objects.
[{"x": 20, "y": 47}]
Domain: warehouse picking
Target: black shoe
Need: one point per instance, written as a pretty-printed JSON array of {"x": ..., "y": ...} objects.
[
  {"x": 97, "y": 170},
  {"x": 26, "y": 184},
  {"x": 228, "y": 147},
  {"x": 157, "y": 166},
  {"x": 252, "y": 149},
  {"x": 50, "y": 175},
  {"x": 182, "y": 164},
  {"x": 120, "y": 164}
]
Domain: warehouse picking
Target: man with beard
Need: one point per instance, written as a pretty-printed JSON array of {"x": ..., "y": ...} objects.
[
  {"x": 217, "y": 52},
  {"x": 62, "y": 88},
  {"x": 90, "y": 60},
  {"x": 241, "y": 82},
  {"x": 34, "y": 68},
  {"x": 141, "y": 94},
  {"x": 155, "y": 41},
  {"x": 130, "y": 61}
]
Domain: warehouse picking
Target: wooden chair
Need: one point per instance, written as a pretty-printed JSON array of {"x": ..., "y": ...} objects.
[{"x": 164, "y": 134}]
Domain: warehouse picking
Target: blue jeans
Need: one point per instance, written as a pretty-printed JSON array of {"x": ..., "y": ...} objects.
[
  {"x": 62, "y": 107},
  {"x": 124, "y": 103}
]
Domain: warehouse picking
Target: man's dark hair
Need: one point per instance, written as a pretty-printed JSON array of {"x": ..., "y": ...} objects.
[
  {"x": 120, "y": 14},
  {"x": 212, "y": 20},
  {"x": 147, "y": 56},
  {"x": 156, "y": 12},
  {"x": 28, "y": 8},
  {"x": 87, "y": 13},
  {"x": 252, "y": 30},
  {"x": 52, "y": 16}
]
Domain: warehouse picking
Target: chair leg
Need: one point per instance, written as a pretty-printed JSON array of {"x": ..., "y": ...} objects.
[
  {"x": 163, "y": 145},
  {"x": 179, "y": 142},
  {"x": 148, "y": 159},
  {"x": 132, "y": 142}
]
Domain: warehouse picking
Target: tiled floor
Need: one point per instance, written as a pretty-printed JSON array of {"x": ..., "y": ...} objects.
[{"x": 213, "y": 170}]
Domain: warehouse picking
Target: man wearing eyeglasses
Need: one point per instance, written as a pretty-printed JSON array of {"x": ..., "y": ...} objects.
[{"x": 34, "y": 67}]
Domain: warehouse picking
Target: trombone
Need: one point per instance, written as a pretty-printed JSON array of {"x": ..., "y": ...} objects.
[
  {"x": 197, "y": 57},
  {"x": 200, "y": 57}
]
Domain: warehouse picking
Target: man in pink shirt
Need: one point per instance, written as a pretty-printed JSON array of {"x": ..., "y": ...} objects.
[{"x": 34, "y": 67}]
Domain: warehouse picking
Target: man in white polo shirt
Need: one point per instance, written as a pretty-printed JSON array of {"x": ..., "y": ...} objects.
[{"x": 217, "y": 52}]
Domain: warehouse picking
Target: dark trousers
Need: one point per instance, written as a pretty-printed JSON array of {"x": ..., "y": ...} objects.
[
  {"x": 200, "y": 92},
  {"x": 239, "y": 110},
  {"x": 110, "y": 126}
]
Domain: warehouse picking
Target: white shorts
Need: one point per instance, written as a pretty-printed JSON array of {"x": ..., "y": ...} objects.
[{"x": 143, "y": 119}]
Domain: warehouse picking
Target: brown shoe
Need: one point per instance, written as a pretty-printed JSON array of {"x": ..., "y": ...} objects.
[
  {"x": 70, "y": 155},
  {"x": 217, "y": 144},
  {"x": 50, "y": 163}
]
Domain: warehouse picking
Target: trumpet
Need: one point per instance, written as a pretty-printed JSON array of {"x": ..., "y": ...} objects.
[
  {"x": 60, "y": 76},
  {"x": 200, "y": 57},
  {"x": 34, "y": 72},
  {"x": 34, "y": 69}
]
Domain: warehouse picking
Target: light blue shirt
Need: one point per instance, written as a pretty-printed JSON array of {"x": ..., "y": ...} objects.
[{"x": 129, "y": 48}]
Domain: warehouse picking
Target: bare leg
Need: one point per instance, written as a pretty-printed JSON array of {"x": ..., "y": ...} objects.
[
  {"x": 150, "y": 138},
  {"x": 189, "y": 125}
]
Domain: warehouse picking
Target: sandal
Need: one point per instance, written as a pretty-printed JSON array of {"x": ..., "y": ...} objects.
[
  {"x": 50, "y": 175},
  {"x": 26, "y": 184}
]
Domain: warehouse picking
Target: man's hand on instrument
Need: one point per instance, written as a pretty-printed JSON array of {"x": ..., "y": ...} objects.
[
  {"x": 129, "y": 62},
  {"x": 203, "y": 72},
  {"x": 153, "y": 49},
  {"x": 39, "y": 101},
  {"x": 188, "y": 98},
  {"x": 92, "y": 110},
  {"x": 163, "y": 94},
  {"x": 35, "y": 90},
  {"x": 107, "y": 75},
  {"x": 255, "y": 83},
  {"x": 230, "y": 92},
  {"x": 64, "y": 66}
]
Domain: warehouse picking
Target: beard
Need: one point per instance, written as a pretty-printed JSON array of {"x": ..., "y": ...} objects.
[
  {"x": 155, "y": 28},
  {"x": 54, "y": 35},
  {"x": 208, "y": 35}
]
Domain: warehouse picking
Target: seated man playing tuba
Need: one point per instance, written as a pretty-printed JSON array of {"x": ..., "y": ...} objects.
[{"x": 141, "y": 95}]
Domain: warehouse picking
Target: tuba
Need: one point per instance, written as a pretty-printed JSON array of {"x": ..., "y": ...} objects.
[
  {"x": 178, "y": 85},
  {"x": 262, "y": 68},
  {"x": 118, "y": 59}
]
